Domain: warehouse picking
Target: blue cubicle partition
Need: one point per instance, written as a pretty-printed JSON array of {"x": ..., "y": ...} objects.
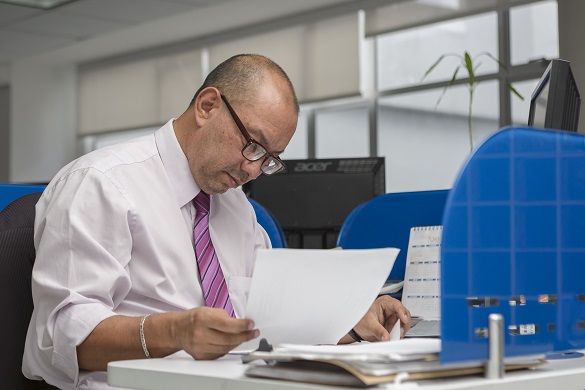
[
  {"x": 385, "y": 221},
  {"x": 10, "y": 192},
  {"x": 268, "y": 221},
  {"x": 514, "y": 243}
]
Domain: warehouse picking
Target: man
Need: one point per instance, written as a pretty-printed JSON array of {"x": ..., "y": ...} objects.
[{"x": 117, "y": 276}]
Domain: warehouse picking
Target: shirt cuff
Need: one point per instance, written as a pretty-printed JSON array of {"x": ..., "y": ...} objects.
[{"x": 72, "y": 326}]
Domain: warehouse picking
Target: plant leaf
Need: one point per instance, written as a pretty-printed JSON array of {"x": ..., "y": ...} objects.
[
  {"x": 469, "y": 67},
  {"x": 442, "y": 95},
  {"x": 437, "y": 62},
  {"x": 477, "y": 65},
  {"x": 495, "y": 59},
  {"x": 511, "y": 88},
  {"x": 454, "y": 75}
]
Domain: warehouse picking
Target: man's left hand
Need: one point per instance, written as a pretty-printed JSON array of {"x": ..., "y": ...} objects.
[{"x": 377, "y": 323}]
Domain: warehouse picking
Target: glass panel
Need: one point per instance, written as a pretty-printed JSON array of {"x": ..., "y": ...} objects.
[
  {"x": 404, "y": 56},
  {"x": 93, "y": 142},
  {"x": 424, "y": 147},
  {"x": 534, "y": 32},
  {"x": 298, "y": 145},
  {"x": 407, "y": 13},
  {"x": 520, "y": 109},
  {"x": 342, "y": 133}
]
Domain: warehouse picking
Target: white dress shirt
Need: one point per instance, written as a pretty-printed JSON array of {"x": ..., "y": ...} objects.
[{"x": 114, "y": 236}]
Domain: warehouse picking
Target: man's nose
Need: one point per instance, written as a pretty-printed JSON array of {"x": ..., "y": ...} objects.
[{"x": 253, "y": 168}]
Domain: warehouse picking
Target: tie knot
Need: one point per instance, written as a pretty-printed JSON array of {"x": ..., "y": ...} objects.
[{"x": 202, "y": 202}]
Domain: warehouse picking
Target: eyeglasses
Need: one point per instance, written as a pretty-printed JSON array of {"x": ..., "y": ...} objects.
[{"x": 253, "y": 151}]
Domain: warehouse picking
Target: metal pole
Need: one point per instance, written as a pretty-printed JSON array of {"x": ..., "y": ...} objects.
[{"x": 495, "y": 364}]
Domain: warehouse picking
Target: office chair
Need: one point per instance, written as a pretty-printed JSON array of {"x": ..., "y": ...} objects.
[
  {"x": 385, "y": 221},
  {"x": 267, "y": 220},
  {"x": 10, "y": 192},
  {"x": 17, "y": 256}
]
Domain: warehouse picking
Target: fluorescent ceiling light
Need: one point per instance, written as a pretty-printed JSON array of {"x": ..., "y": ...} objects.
[{"x": 43, "y": 4}]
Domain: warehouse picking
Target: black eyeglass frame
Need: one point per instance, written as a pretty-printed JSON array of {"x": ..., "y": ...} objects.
[{"x": 251, "y": 142}]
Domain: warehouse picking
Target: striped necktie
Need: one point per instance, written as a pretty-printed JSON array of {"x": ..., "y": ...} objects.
[{"x": 215, "y": 290}]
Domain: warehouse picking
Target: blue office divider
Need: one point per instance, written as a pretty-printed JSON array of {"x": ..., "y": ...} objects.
[
  {"x": 385, "y": 221},
  {"x": 270, "y": 224},
  {"x": 10, "y": 192},
  {"x": 514, "y": 243}
]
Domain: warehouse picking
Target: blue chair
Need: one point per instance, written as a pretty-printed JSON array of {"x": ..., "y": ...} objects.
[
  {"x": 267, "y": 220},
  {"x": 10, "y": 192},
  {"x": 385, "y": 221}
]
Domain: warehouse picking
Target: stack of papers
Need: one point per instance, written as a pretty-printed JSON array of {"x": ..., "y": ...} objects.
[{"x": 364, "y": 364}]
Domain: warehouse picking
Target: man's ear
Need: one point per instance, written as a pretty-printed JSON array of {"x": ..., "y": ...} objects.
[{"x": 206, "y": 104}]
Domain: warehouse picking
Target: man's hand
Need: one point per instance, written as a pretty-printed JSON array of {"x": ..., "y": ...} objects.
[
  {"x": 209, "y": 333},
  {"x": 377, "y": 323},
  {"x": 203, "y": 332}
]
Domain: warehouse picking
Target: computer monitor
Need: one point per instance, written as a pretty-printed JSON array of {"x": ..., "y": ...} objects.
[
  {"x": 312, "y": 197},
  {"x": 555, "y": 103}
]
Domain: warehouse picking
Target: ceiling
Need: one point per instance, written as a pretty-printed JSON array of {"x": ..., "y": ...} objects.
[{"x": 85, "y": 30}]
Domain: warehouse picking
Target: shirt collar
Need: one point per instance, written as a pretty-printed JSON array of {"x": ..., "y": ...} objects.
[{"x": 175, "y": 164}]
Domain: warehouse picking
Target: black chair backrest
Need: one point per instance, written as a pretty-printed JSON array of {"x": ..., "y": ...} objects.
[{"x": 17, "y": 256}]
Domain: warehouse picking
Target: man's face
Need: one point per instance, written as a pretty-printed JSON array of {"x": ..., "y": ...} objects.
[{"x": 219, "y": 163}]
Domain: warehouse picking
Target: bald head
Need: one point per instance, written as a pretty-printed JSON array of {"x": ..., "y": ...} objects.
[{"x": 240, "y": 77}]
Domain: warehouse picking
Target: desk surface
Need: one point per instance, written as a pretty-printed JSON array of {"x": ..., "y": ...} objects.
[{"x": 228, "y": 374}]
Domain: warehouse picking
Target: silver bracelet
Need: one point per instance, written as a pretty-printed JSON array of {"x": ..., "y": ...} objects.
[{"x": 142, "y": 339}]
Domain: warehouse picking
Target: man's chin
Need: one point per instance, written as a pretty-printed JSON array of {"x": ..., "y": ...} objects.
[{"x": 217, "y": 191}]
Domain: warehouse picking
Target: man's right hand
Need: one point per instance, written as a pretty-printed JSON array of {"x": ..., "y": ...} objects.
[
  {"x": 209, "y": 333},
  {"x": 202, "y": 332}
]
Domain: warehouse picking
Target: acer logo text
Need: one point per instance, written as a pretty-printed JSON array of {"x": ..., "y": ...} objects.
[{"x": 312, "y": 167}]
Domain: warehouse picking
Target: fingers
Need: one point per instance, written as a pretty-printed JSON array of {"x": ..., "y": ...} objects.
[
  {"x": 378, "y": 322},
  {"x": 393, "y": 309},
  {"x": 393, "y": 306}
]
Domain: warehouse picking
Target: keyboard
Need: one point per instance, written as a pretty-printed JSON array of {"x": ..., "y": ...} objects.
[{"x": 425, "y": 328}]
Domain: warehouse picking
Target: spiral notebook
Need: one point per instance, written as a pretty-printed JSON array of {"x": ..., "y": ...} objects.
[{"x": 422, "y": 288}]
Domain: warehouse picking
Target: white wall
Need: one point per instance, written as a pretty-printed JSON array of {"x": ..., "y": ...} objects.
[
  {"x": 571, "y": 33},
  {"x": 43, "y": 120}
]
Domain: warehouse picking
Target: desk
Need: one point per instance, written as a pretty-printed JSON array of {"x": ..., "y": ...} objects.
[{"x": 228, "y": 374}]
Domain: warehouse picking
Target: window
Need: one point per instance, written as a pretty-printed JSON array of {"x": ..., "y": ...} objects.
[
  {"x": 425, "y": 143},
  {"x": 298, "y": 145},
  {"x": 342, "y": 133},
  {"x": 423, "y": 147},
  {"x": 404, "y": 56},
  {"x": 534, "y": 32}
]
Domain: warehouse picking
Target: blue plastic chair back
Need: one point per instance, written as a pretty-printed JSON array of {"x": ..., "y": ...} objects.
[
  {"x": 385, "y": 221},
  {"x": 10, "y": 192},
  {"x": 270, "y": 224},
  {"x": 514, "y": 244}
]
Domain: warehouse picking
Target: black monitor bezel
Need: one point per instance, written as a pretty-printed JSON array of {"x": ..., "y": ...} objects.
[{"x": 559, "y": 114}]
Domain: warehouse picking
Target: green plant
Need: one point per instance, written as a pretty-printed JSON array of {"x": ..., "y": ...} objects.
[{"x": 470, "y": 64}]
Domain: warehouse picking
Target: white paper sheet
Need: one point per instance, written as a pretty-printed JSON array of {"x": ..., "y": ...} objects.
[
  {"x": 403, "y": 347},
  {"x": 313, "y": 296}
]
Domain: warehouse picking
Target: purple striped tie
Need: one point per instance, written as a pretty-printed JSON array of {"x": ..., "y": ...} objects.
[{"x": 215, "y": 290}]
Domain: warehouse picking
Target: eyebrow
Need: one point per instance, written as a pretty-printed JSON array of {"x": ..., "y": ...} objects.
[{"x": 262, "y": 140}]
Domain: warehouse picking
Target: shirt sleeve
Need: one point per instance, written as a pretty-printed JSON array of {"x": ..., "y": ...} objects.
[{"x": 84, "y": 243}]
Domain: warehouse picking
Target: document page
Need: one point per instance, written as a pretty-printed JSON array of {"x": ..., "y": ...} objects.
[{"x": 313, "y": 296}]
